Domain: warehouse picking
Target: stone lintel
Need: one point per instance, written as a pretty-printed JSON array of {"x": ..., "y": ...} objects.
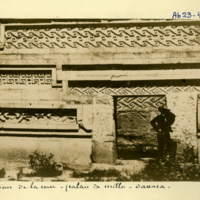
[
  {"x": 129, "y": 56},
  {"x": 73, "y": 127},
  {"x": 128, "y": 75},
  {"x": 72, "y": 99}
]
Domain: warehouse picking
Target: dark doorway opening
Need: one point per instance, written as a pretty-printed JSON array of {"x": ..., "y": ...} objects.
[{"x": 135, "y": 137}]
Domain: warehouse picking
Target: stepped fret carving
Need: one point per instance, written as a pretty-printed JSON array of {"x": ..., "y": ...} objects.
[
  {"x": 24, "y": 78},
  {"x": 140, "y": 102},
  {"x": 102, "y": 37},
  {"x": 132, "y": 90}
]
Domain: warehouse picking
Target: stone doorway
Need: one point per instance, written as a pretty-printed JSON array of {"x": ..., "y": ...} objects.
[{"x": 135, "y": 136}]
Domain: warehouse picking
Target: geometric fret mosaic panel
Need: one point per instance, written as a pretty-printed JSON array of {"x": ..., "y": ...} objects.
[
  {"x": 25, "y": 78},
  {"x": 96, "y": 37},
  {"x": 140, "y": 102},
  {"x": 132, "y": 90}
]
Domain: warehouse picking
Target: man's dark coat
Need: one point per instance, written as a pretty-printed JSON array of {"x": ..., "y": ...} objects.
[{"x": 163, "y": 122}]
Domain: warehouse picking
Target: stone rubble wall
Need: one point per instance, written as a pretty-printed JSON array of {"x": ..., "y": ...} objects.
[
  {"x": 184, "y": 106},
  {"x": 135, "y": 137}
]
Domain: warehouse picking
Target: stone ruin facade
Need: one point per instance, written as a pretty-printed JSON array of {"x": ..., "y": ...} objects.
[{"x": 87, "y": 91}]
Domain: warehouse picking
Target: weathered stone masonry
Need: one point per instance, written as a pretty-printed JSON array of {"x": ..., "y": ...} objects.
[
  {"x": 83, "y": 91},
  {"x": 181, "y": 100}
]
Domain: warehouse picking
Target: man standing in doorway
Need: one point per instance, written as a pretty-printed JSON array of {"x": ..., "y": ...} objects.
[{"x": 162, "y": 124}]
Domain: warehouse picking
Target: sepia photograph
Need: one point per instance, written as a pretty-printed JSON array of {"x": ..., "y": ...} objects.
[{"x": 109, "y": 100}]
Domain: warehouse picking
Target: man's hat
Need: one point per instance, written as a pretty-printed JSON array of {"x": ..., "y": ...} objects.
[{"x": 163, "y": 108}]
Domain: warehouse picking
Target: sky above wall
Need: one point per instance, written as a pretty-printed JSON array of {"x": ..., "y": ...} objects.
[{"x": 96, "y": 9}]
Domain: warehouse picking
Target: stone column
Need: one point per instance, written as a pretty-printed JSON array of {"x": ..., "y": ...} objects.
[{"x": 104, "y": 136}]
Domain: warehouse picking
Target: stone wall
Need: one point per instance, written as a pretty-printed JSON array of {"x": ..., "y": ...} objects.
[
  {"x": 184, "y": 106},
  {"x": 47, "y": 121},
  {"x": 180, "y": 99},
  {"x": 74, "y": 152},
  {"x": 134, "y": 136},
  {"x": 83, "y": 66}
]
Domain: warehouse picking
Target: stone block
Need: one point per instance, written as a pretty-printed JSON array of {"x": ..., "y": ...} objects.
[
  {"x": 53, "y": 94},
  {"x": 31, "y": 95},
  {"x": 103, "y": 122},
  {"x": 74, "y": 152},
  {"x": 67, "y": 127},
  {"x": 104, "y": 147},
  {"x": 44, "y": 126},
  {"x": 73, "y": 99},
  {"x": 59, "y": 75},
  {"x": 104, "y": 152},
  {"x": 17, "y": 126},
  {"x": 11, "y": 94},
  {"x": 104, "y": 100},
  {"x": 125, "y": 75},
  {"x": 87, "y": 116}
]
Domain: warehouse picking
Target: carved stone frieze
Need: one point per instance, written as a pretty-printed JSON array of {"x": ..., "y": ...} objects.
[
  {"x": 37, "y": 116},
  {"x": 140, "y": 102},
  {"x": 85, "y": 37},
  {"x": 132, "y": 90},
  {"x": 25, "y": 78}
]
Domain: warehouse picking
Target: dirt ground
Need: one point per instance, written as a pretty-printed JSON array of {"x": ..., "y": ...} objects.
[{"x": 124, "y": 167}]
